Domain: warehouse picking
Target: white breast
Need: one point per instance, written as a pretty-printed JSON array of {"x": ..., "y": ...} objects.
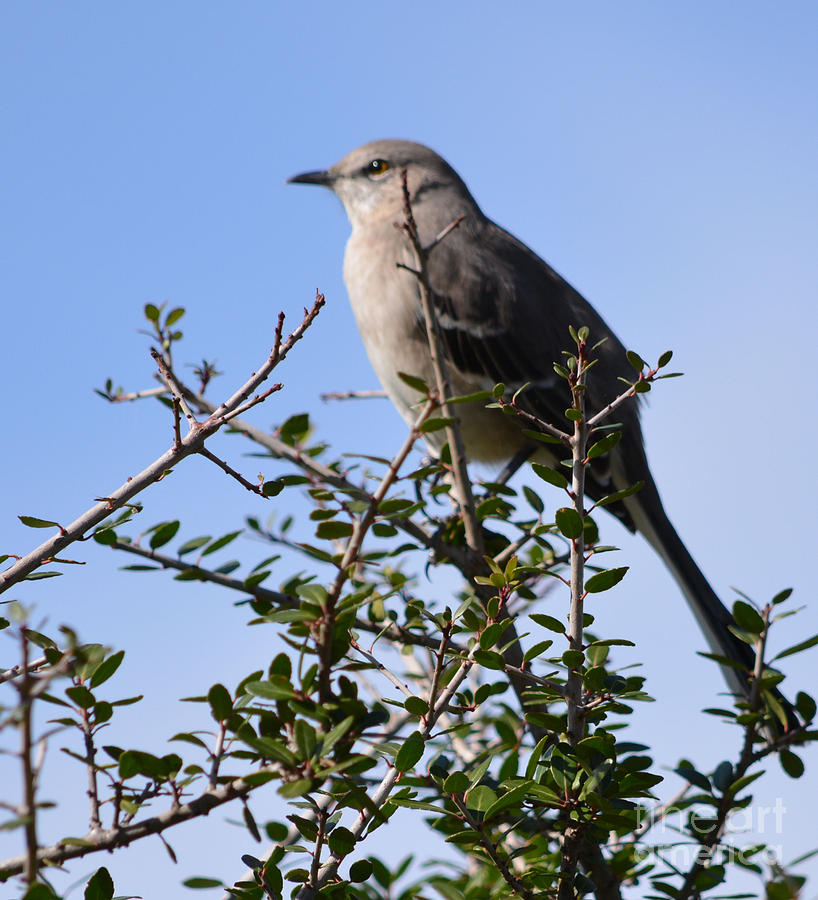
[{"x": 385, "y": 301}]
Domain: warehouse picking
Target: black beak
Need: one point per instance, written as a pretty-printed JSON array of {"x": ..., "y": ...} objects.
[{"x": 323, "y": 178}]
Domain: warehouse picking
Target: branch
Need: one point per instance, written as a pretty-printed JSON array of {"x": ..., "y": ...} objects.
[
  {"x": 488, "y": 845},
  {"x": 572, "y": 839},
  {"x": 16, "y": 671},
  {"x": 156, "y": 471},
  {"x": 330, "y": 867},
  {"x": 462, "y": 482},
  {"x": 111, "y": 838},
  {"x": 354, "y": 395}
]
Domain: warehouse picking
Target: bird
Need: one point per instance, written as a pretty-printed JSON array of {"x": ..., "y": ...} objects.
[{"x": 504, "y": 316}]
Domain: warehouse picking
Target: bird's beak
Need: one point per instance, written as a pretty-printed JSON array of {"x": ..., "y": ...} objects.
[{"x": 323, "y": 177}]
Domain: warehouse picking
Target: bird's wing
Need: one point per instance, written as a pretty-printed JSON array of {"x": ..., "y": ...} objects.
[{"x": 504, "y": 314}]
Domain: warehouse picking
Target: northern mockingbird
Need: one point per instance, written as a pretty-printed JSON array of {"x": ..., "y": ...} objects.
[{"x": 504, "y": 316}]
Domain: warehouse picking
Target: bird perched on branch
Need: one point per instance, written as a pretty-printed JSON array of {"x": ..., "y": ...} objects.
[{"x": 504, "y": 317}]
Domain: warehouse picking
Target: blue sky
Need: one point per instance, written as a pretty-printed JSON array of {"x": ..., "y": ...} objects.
[{"x": 660, "y": 156}]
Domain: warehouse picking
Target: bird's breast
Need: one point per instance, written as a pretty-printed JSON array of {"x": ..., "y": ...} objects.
[{"x": 385, "y": 300}]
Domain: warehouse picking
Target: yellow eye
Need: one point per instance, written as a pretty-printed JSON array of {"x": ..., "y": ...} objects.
[{"x": 376, "y": 166}]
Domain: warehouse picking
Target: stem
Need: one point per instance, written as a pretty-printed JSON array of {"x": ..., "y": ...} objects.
[
  {"x": 90, "y": 753},
  {"x": 491, "y": 849},
  {"x": 462, "y": 482},
  {"x": 575, "y": 614},
  {"x": 746, "y": 760},
  {"x": 572, "y": 838},
  {"x": 29, "y": 811}
]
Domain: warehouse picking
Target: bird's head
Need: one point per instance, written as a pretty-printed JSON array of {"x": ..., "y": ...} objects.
[{"x": 368, "y": 180}]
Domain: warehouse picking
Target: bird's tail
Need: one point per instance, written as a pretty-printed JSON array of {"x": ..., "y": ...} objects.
[{"x": 648, "y": 514}]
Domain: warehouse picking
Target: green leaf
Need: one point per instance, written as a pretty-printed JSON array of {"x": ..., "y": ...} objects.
[
  {"x": 274, "y": 689},
  {"x": 471, "y": 398},
  {"x": 331, "y": 738},
  {"x": 437, "y": 424},
  {"x": 605, "y": 580},
  {"x": 791, "y": 764},
  {"x": 747, "y": 617},
  {"x": 221, "y": 705},
  {"x": 797, "y": 648},
  {"x": 151, "y": 312},
  {"x": 201, "y": 882},
  {"x": 163, "y": 534},
  {"x": 80, "y": 695},
  {"x": 296, "y": 788},
  {"x": 332, "y": 530},
  {"x": 312, "y": 593},
  {"x": 781, "y": 596},
  {"x": 410, "y": 752},
  {"x": 100, "y": 886},
  {"x": 193, "y": 544},
  {"x": 34, "y": 522},
  {"x": 456, "y": 783},
  {"x": 417, "y": 706},
  {"x": 572, "y": 658},
  {"x": 480, "y": 798},
  {"x": 341, "y": 841},
  {"x": 569, "y": 522},
  {"x": 513, "y": 797},
  {"x": 664, "y": 359},
  {"x": 360, "y": 871},
  {"x": 695, "y": 778},
  {"x": 294, "y": 428},
  {"x": 603, "y": 446},
  {"x": 549, "y": 622},
  {"x": 107, "y": 668},
  {"x": 805, "y": 705},
  {"x": 533, "y": 498},
  {"x": 723, "y": 776},
  {"x": 537, "y": 650},
  {"x": 174, "y": 315},
  {"x": 105, "y": 536},
  {"x": 550, "y": 475},
  {"x": 414, "y": 382},
  {"x": 220, "y": 542},
  {"x": 635, "y": 360},
  {"x": 621, "y": 495}
]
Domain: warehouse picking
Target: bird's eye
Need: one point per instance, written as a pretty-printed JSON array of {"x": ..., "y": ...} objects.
[{"x": 376, "y": 166}]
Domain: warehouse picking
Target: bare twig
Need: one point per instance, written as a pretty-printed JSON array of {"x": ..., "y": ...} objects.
[
  {"x": 16, "y": 671},
  {"x": 353, "y": 547},
  {"x": 111, "y": 838},
  {"x": 747, "y": 758},
  {"x": 354, "y": 395},
  {"x": 191, "y": 443},
  {"x": 572, "y": 838},
  {"x": 226, "y": 467},
  {"x": 400, "y": 685},
  {"x": 462, "y": 482},
  {"x": 384, "y": 789},
  {"x": 138, "y": 395},
  {"x": 218, "y": 753},
  {"x": 494, "y": 855},
  {"x": 29, "y": 809},
  {"x": 90, "y": 753}
]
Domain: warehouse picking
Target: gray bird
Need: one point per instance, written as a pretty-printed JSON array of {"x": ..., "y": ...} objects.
[{"x": 504, "y": 316}]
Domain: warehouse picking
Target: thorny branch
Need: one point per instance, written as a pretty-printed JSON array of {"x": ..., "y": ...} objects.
[
  {"x": 462, "y": 482},
  {"x": 191, "y": 443}
]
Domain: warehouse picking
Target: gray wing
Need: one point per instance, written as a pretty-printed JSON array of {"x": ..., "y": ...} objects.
[{"x": 505, "y": 314}]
